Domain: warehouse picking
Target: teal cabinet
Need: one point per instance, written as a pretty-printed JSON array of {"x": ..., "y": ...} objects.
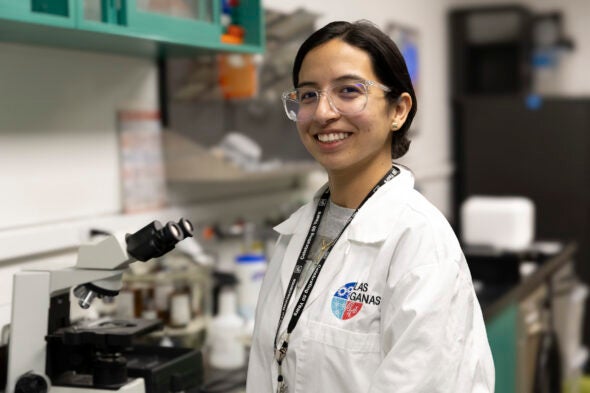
[
  {"x": 44, "y": 12},
  {"x": 502, "y": 335},
  {"x": 190, "y": 25},
  {"x": 133, "y": 27},
  {"x": 196, "y": 23}
]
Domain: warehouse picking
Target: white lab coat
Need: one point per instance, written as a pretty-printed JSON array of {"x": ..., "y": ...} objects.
[{"x": 413, "y": 322}]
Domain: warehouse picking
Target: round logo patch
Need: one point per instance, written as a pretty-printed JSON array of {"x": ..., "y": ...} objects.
[{"x": 342, "y": 306}]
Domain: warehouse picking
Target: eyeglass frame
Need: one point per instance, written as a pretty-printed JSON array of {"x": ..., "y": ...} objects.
[{"x": 364, "y": 82}]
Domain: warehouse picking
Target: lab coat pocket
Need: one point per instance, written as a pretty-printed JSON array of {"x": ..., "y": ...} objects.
[
  {"x": 343, "y": 339},
  {"x": 337, "y": 360}
]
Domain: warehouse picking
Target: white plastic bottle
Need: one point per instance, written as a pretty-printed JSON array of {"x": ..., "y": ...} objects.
[
  {"x": 225, "y": 335},
  {"x": 250, "y": 270}
]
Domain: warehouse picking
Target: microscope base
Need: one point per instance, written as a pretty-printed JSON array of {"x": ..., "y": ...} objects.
[{"x": 135, "y": 386}]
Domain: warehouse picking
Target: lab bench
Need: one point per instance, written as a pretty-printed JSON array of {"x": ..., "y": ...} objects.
[
  {"x": 521, "y": 316},
  {"x": 224, "y": 381}
]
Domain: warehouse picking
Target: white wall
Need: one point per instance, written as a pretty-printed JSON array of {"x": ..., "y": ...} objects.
[{"x": 58, "y": 141}]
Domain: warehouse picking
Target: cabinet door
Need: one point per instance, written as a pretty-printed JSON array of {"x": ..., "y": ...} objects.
[
  {"x": 106, "y": 16},
  {"x": 184, "y": 22},
  {"x": 59, "y": 13},
  {"x": 132, "y": 27},
  {"x": 191, "y": 22}
]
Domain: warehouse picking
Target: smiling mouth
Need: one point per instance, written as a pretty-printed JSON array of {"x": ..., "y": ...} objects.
[{"x": 332, "y": 137}]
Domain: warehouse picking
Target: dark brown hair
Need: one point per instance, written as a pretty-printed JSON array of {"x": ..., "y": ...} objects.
[{"x": 387, "y": 61}]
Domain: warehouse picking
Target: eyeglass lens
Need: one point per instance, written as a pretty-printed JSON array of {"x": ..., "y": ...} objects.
[{"x": 345, "y": 98}]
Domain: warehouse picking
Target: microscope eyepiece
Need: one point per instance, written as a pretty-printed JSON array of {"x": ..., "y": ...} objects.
[
  {"x": 155, "y": 239},
  {"x": 151, "y": 241},
  {"x": 187, "y": 227},
  {"x": 171, "y": 232}
]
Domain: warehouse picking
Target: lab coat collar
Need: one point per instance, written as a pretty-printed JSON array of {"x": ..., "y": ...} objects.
[{"x": 377, "y": 206}]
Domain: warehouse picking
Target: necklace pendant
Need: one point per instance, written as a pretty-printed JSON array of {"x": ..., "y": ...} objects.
[
  {"x": 282, "y": 387},
  {"x": 280, "y": 354},
  {"x": 281, "y": 351}
]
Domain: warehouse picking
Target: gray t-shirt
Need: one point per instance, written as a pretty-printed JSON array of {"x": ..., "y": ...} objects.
[{"x": 332, "y": 223}]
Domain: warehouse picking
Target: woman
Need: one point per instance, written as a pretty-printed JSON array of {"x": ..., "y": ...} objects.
[{"x": 368, "y": 289}]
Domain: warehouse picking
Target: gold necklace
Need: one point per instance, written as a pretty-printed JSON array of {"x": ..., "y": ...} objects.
[
  {"x": 311, "y": 264},
  {"x": 323, "y": 247}
]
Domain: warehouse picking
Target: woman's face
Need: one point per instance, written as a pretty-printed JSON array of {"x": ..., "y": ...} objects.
[{"x": 339, "y": 142}]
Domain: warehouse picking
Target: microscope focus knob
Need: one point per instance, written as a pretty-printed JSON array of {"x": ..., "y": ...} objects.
[{"x": 31, "y": 383}]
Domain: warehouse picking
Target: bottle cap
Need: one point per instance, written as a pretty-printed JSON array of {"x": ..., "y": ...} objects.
[{"x": 250, "y": 258}]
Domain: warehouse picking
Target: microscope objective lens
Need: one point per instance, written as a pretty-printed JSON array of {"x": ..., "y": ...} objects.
[{"x": 87, "y": 299}]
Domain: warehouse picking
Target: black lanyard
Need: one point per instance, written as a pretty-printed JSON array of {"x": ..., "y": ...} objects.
[{"x": 320, "y": 209}]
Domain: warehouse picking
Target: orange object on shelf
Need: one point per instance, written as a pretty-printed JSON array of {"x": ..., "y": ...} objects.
[
  {"x": 238, "y": 76},
  {"x": 236, "y": 30},
  {"x": 231, "y": 39},
  {"x": 208, "y": 233}
]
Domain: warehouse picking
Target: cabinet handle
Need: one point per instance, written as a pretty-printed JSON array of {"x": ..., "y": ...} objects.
[{"x": 114, "y": 12}]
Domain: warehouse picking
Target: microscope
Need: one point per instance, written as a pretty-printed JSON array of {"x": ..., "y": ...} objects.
[{"x": 48, "y": 353}]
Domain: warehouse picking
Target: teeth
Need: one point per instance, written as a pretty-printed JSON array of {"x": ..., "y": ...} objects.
[{"x": 338, "y": 136}]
